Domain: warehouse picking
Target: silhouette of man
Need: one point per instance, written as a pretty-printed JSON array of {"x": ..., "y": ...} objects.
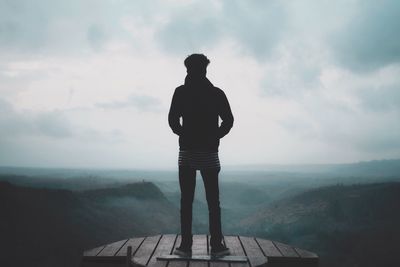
[{"x": 200, "y": 105}]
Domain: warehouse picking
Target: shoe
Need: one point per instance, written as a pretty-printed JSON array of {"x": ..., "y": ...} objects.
[
  {"x": 220, "y": 251},
  {"x": 183, "y": 251}
]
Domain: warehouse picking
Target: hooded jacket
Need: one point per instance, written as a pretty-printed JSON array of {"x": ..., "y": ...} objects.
[{"x": 200, "y": 104}]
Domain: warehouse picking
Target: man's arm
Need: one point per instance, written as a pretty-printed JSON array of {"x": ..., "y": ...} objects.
[
  {"x": 175, "y": 112},
  {"x": 226, "y": 115}
]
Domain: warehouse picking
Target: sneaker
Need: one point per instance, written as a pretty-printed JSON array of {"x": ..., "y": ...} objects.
[
  {"x": 183, "y": 251},
  {"x": 220, "y": 251}
]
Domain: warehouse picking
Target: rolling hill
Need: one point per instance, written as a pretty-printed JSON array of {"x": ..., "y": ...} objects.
[
  {"x": 53, "y": 226},
  {"x": 352, "y": 225}
]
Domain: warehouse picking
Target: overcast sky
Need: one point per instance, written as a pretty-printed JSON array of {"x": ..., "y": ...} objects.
[{"x": 88, "y": 83}]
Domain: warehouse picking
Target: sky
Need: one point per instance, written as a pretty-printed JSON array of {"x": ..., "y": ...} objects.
[{"x": 88, "y": 83}]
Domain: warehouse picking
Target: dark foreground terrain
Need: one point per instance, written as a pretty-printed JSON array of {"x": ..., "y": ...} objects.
[
  {"x": 51, "y": 227},
  {"x": 348, "y": 221}
]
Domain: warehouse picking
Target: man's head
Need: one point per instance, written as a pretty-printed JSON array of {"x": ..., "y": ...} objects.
[{"x": 196, "y": 64}]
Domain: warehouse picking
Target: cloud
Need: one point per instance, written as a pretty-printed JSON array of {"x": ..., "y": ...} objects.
[
  {"x": 256, "y": 26},
  {"x": 303, "y": 77},
  {"x": 73, "y": 26},
  {"x": 370, "y": 39},
  {"x": 188, "y": 32},
  {"x": 346, "y": 123},
  {"x": 362, "y": 34},
  {"x": 144, "y": 103},
  {"x": 22, "y": 23},
  {"x": 381, "y": 99},
  {"x": 52, "y": 124},
  {"x": 96, "y": 36},
  {"x": 293, "y": 72}
]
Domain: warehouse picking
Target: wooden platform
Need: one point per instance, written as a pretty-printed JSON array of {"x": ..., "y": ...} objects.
[
  {"x": 143, "y": 251},
  {"x": 228, "y": 258}
]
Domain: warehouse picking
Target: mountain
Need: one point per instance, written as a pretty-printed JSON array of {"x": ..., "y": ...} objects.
[
  {"x": 341, "y": 223},
  {"x": 51, "y": 227},
  {"x": 373, "y": 168},
  {"x": 50, "y": 219}
]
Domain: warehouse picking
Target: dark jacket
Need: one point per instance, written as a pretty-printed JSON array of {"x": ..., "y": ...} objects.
[{"x": 200, "y": 105}]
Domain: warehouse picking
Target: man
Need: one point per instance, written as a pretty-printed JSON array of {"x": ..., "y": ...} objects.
[{"x": 200, "y": 105}]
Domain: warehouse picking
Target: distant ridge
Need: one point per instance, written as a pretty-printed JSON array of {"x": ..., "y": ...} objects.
[
  {"x": 386, "y": 167},
  {"x": 138, "y": 190},
  {"x": 372, "y": 203}
]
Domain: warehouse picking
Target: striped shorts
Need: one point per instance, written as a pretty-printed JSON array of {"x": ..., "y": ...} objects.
[{"x": 199, "y": 160}]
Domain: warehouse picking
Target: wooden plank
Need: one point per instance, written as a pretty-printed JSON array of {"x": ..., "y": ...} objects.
[
  {"x": 143, "y": 254},
  {"x": 268, "y": 247},
  {"x": 215, "y": 263},
  {"x": 93, "y": 252},
  {"x": 134, "y": 243},
  {"x": 233, "y": 243},
  {"x": 101, "y": 264},
  {"x": 305, "y": 254},
  {"x": 199, "y": 247},
  {"x": 112, "y": 249},
  {"x": 286, "y": 250},
  {"x": 225, "y": 259},
  {"x": 164, "y": 247},
  {"x": 253, "y": 251},
  {"x": 178, "y": 263}
]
